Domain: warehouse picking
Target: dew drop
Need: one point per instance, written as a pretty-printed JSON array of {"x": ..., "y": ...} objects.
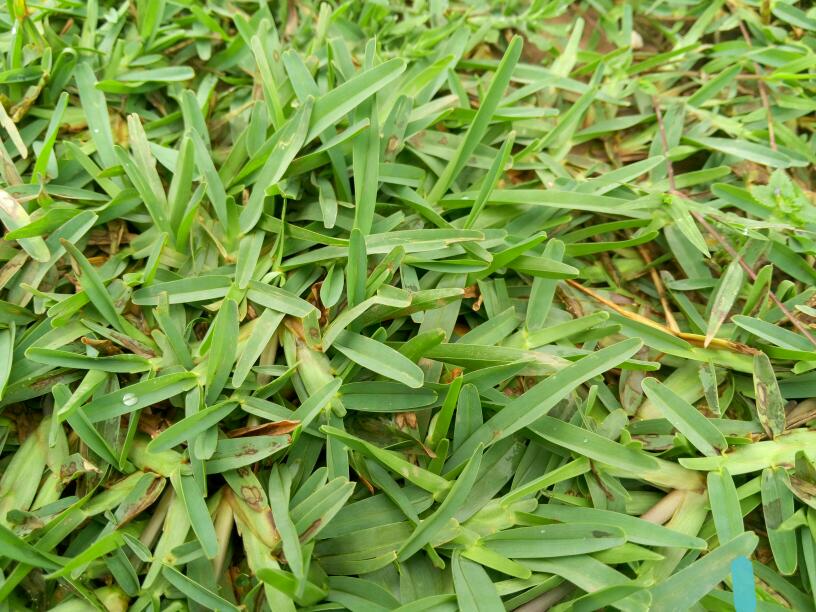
[{"x": 128, "y": 399}]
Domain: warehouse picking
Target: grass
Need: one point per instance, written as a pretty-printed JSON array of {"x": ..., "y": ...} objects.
[{"x": 407, "y": 306}]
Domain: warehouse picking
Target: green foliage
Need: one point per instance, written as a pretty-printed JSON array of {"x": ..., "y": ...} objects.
[{"x": 407, "y": 306}]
